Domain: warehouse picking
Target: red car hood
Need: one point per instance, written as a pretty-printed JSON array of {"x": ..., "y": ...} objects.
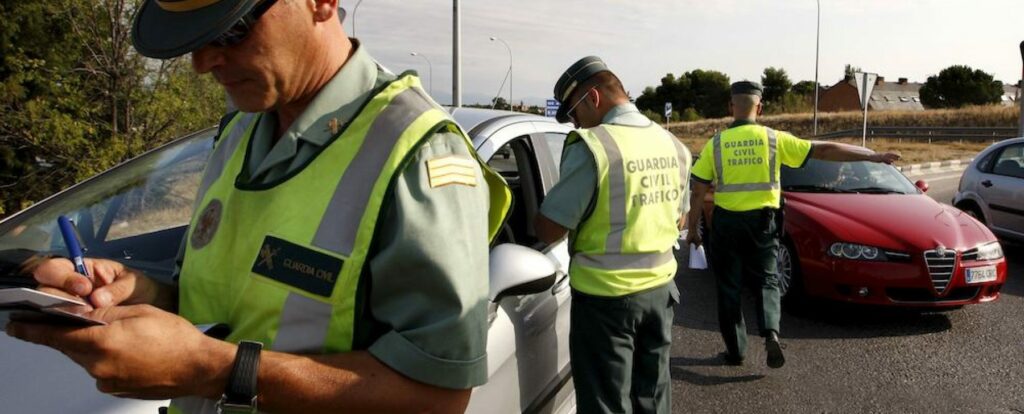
[{"x": 912, "y": 222}]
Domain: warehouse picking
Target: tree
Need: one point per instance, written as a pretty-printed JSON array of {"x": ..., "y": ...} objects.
[
  {"x": 710, "y": 92},
  {"x": 706, "y": 92},
  {"x": 959, "y": 85},
  {"x": 776, "y": 84},
  {"x": 73, "y": 89},
  {"x": 803, "y": 88},
  {"x": 499, "y": 103}
]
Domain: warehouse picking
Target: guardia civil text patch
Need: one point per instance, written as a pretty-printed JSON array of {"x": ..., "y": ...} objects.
[{"x": 297, "y": 266}]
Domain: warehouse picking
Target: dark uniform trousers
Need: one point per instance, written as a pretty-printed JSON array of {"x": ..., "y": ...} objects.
[
  {"x": 745, "y": 245},
  {"x": 620, "y": 350}
]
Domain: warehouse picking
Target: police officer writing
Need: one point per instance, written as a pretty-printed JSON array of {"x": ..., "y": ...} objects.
[
  {"x": 621, "y": 194},
  {"x": 743, "y": 164},
  {"x": 313, "y": 237}
]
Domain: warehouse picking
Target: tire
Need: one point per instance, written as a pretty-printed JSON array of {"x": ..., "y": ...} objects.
[{"x": 790, "y": 281}]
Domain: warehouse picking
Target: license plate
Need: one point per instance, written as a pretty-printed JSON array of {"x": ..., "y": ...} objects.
[{"x": 981, "y": 274}]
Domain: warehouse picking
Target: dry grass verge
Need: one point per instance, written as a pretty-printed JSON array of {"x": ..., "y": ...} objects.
[{"x": 695, "y": 134}]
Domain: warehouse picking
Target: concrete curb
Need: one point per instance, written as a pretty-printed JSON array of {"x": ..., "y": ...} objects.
[{"x": 935, "y": 167}]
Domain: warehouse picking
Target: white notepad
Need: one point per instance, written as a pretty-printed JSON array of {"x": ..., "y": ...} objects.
[{"x": 37, "y": 306}]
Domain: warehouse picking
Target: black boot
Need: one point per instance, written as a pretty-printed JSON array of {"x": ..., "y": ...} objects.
[{"x": 774, "y": 350}]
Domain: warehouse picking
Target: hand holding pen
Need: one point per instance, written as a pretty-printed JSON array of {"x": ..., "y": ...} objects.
[{"x": 100, "y": 282}]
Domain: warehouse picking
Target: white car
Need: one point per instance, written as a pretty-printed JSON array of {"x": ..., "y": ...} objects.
[
  {"x": 992, "y": 188},
  {"x": 137, "y": 212}
]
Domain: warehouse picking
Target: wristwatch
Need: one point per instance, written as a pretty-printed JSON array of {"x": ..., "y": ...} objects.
[{"x": 240, "y": 395}]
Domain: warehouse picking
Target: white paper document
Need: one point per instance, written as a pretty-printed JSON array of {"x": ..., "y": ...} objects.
[
  {"x": 697, "y": 258},
  {"x": 31, "y": 304}
]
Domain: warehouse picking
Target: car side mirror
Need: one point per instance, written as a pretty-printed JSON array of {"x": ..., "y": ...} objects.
[
  {"x": 922, "y": 185},
  {"x": 518, "y": 270}
]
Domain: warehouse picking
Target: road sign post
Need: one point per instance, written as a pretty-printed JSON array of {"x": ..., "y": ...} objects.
[
  {"x": 865, "y": 84},
  {"x": 668, "y": 112}
]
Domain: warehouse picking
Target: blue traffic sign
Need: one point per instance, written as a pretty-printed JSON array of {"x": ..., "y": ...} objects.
[{"x": 551, "y": 108}]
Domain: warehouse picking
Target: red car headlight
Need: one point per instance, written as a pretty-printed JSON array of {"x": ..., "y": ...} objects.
[{"x": 855, "y": 251}]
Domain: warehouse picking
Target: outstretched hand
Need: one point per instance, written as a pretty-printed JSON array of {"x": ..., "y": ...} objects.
[{"x": 887, "y": 157}]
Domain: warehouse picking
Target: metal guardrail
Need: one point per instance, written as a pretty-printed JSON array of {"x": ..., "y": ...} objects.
[{"x": 928, "y": 133}]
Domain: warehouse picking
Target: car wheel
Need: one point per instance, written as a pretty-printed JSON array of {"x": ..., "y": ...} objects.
[{"x": 789, "y": 272}]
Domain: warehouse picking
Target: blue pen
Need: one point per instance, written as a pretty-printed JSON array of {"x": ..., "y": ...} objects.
[{"x": 74, "y": 246}]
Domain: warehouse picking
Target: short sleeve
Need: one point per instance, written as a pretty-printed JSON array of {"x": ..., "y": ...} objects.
[
  {"x": 430, "y": 297},
  {"x": 704, "y": 169},
  {"x": 793, "y": 151},
  {"x": 569, "y": 201},
  {"x": 684, "y": 202}
]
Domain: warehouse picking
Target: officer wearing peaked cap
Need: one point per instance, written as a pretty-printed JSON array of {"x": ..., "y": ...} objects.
[
  {"x": 743, "y": 163},
  {"x": 620, "y": 197},
  {"x": 312, "y": 238}
]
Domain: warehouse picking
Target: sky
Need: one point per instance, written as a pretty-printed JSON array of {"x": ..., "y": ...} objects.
[{"x": 642, "y": 40}]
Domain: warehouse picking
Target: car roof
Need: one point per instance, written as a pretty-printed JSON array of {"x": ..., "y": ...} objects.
[{"x": 477, "y": 120}]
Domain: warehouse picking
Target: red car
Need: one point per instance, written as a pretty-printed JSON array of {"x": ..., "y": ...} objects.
[{"x": 862, "y": 232}]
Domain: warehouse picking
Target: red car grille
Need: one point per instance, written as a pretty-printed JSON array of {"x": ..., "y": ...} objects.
[{"x": 941, "y": 265}]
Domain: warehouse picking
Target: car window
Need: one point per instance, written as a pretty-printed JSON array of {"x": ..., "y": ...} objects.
[
  {"x": 1010, "y": 162},
  {"x": 985, "y": 165},
  {"x": 555, "y": 143},
  {"x": 517, "y": 163},
  {"x": 862, "y": 176},
  {"x": 144, "y": 196}
]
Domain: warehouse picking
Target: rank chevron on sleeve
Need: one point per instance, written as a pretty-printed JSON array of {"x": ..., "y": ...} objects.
[{"x": 450, "y": 170}]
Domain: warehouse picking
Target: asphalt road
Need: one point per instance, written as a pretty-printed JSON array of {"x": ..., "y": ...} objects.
[{"x": 849, "y": 359}]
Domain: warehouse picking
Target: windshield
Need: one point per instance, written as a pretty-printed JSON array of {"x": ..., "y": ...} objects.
[
  {"x": 135, "y": 213},
  {"x": 846, "y": 177}
]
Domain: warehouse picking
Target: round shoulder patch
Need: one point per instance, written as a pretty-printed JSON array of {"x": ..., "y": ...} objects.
[{"x": 207, "y": 225}]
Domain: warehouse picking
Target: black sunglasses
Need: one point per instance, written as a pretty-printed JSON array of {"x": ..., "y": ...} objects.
[{"x": 238, "y": 32}]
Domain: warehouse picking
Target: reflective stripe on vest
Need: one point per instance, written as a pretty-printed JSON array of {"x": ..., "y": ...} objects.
[
  {"x": 616, "y": 190},
  {"x": 237, "y": 128},
  {"x": 722, "y": 187},
  {"x": 618, "y": 261},
  {"x": 337, "y": 231},
  {"x": 624, "y": 246},
  {"x": 329, "y": 208}
]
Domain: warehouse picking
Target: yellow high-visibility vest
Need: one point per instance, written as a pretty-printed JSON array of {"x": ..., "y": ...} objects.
[
  {"x": 625, "y": 245},
  {"x": 310, "y": 233}
]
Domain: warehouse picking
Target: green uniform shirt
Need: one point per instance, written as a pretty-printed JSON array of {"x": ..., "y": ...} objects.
[
  {"x": 422, "y": 310},
  {"x": 572, "y": 199}
]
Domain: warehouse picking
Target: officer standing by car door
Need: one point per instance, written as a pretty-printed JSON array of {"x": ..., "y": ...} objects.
[
  {"x": 314, "y": 236},
  {"x": 620, "y": 197},
  {"x": 744, "y": 164}
]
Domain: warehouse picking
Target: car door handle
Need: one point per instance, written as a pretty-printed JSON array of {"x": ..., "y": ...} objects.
[{"x": 987, "y": 183}]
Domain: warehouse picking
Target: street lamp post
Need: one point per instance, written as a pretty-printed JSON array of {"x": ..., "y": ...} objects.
[
  {"x": 354, "y": 9},
  {"x": 430, "y": 68},
  {"x": 508, "y": 75},
  {"x": 456, "y": 55},
  {"x": 1020, "y": 93},
  {"x": 817, "y": 49}
]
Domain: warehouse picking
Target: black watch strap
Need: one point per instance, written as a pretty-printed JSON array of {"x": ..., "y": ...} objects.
[{"x": 240, "y": 394}]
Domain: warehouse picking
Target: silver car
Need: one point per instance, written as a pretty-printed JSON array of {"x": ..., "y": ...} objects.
[
  {"x": 137, "y": 212},
  {"x": 992, "y": 188}
]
